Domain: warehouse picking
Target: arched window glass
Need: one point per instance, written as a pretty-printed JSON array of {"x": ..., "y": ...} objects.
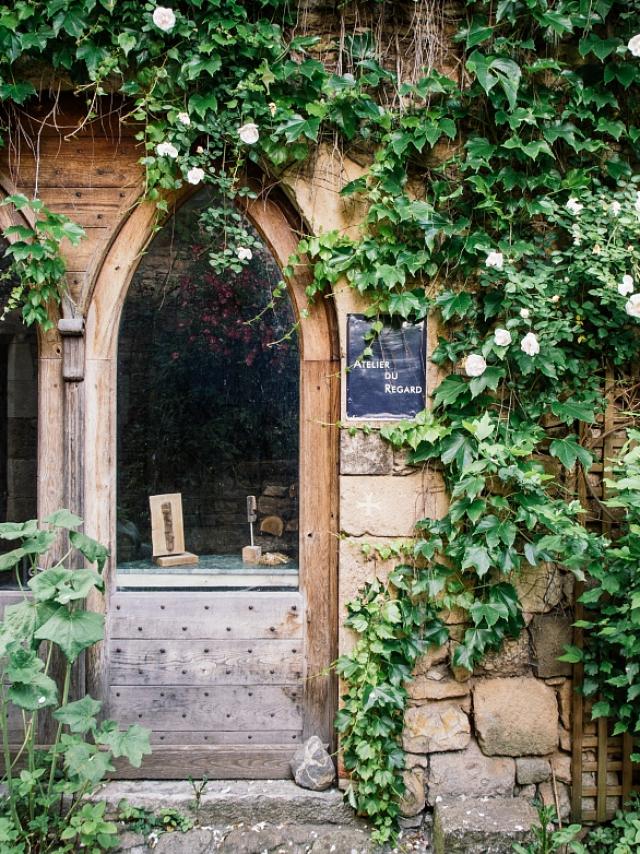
[
  {"x": 208, "y": 402},
  {"x": 18, "y": 420}
]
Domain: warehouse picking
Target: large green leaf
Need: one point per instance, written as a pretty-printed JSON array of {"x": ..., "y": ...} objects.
[
  {"x": 568, "y": 450},
  {"x": 73, "y": 631},
  {"x": 80, "y": 715},
  {"x": 16, "y": 530},
  {"x": 63, "y": 519},
  {"x": 85, "y": 760},
  {"x": 132, "y": 743},
  {"x": 94, "y": 551}
]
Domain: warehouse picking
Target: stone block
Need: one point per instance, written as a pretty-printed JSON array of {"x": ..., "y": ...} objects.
[
  {"x": 512, "y": 659},
  {"x": 561, "y": 765},
  {"x": 364, "y": 453},
  {"x": 565, "y": 700},
  {"x": 482, "y": 826},
  {"x": 516, "y": 717},
  {"x": 435, "y": 727},
  {"x": 425, "y": 688},
  {"x": 539, "y": 588},
  {"x": 547, "y": 796},
  {"x": 389, "y": 506},
  {"x": 470, "y": 773},
  {"x": 434, "y": 655},
  {"x": 530, "y": 793},
  {"x": 532, "y": 769},
  {"x": 550, "y": 633},
  {"x": 413, "y": 798}
]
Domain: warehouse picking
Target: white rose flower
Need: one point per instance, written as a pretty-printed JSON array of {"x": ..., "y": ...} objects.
[
  {"x": 249, "y": 133},
  {"x": 273, "y": 108},
  {"x": 474, "y": 365},
  {"x": 495, "y": 259},
  {"x": 616, "y": 207},
  {"x": 632, "y": 306},
  {"x": 502, "y": 337},
  {"x": 166, "y": 149},
  {"x": 555, "y": 298},
  {"x": 524, "y": 313},
  {"x": 195, "y": 175},
  {"x": 530, "y": 345},
  {"x": 164, "y": 18},
  {"x": 574, "y": 206},
  {"x": 184, "y": 119},
  {"x": 626, "y": 286},
  {"x": 244, "y": 253},
  {"x": 634, "y": 45}
]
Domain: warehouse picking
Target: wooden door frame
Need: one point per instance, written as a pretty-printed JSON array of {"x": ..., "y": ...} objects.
[{"x": 280, "y": 227}]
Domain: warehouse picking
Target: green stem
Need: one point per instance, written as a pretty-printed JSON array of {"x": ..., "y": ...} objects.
[
  {"x": 54, "y": 758},
  {"x": 4, "y": 723}
]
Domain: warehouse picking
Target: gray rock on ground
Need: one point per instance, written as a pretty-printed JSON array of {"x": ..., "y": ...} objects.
[{"x": 312, "y": 767}]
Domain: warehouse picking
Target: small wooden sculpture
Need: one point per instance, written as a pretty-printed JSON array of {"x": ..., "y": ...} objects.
[
  {"x": 251, "y": 553},
  {"x": 167, "y": 531}
]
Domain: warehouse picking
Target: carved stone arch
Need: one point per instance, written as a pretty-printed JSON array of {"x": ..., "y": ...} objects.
[{"x": 274, "y": 219}]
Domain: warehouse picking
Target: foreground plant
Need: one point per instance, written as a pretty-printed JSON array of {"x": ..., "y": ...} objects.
[{"x": 43, "y": 807}]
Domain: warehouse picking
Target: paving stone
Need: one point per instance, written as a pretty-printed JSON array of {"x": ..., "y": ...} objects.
[
  {"x": 515, "y": 717},
  {"x": 481, "y": 826},
  {"x": 234, "y": 801}
]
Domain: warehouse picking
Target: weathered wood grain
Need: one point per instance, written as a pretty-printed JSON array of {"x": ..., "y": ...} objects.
[
  {"x": 219, "y": 662},
  {"x": 249, "y": 738},
  {"x": 206, "y": 615},
  {"x": 223, "y": 707},
  {"x": 216, "y": 763}
]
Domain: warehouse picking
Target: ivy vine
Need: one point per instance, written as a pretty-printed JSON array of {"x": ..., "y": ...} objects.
[{"x": 504, "y": 199}]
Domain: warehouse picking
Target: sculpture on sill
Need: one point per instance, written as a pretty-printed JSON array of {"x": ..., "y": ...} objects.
[
  {"x": 251, "y": 553},
  {"x": 167, "y": 531}
]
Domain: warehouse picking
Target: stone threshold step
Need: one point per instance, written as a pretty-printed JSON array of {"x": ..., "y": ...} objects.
[
  {"x": 481, "y": 825},
  {"x": 233, "y": 801}
]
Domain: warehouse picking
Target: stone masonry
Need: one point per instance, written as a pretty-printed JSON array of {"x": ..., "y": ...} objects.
[{"x": 501, "y": 732}]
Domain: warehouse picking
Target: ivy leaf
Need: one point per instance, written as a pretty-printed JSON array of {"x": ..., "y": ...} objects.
[
  {"x": 17, "y": 530},
  {"x": 453, "y": 304},
  {"x": 80, "y": 715},
  {"x": 569, "y": 450},
  {"x": 572, "y": 654},
  {"x": 570, "y": 410},
  {"x": 127, "y": 42},
  {"x": 478, "y": 558},
  {"x": 297, "y": 126},
  {"x": 489, "y": 379},
  {"x": 449, "y": 390},
  {"x": 72, "y": 631}
]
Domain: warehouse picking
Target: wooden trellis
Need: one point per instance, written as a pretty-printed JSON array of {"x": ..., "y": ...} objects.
[{"x": 602, "y": 772}]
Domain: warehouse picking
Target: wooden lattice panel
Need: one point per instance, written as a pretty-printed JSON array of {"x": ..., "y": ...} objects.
[{"x": 603, "y": 775}]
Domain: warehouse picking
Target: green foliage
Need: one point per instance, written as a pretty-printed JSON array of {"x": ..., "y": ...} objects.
[
  {"x": 619, "y": 836},
  {"x": 612, "y": 602},
  {"x": 36, "y": 272},
  {"x": 525, "y": 240},
  {"x": 140, "y": 820},
  {"x": 42, "y": 807},
  {"x": 548, "y": 839}
]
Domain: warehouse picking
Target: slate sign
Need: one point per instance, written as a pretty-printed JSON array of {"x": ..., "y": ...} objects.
[{"x": 391, "y": 382}]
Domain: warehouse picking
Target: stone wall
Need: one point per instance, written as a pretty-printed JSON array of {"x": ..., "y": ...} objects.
[{"x": 503, "y": 731}]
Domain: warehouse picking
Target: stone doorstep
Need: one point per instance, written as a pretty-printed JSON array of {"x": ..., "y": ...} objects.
[
  {"x": 481, "y": 825},
  {"x": 234, "y": 801}
]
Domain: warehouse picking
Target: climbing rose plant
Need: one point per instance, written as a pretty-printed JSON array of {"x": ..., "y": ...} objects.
[{"x": 504, "y": 201}]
